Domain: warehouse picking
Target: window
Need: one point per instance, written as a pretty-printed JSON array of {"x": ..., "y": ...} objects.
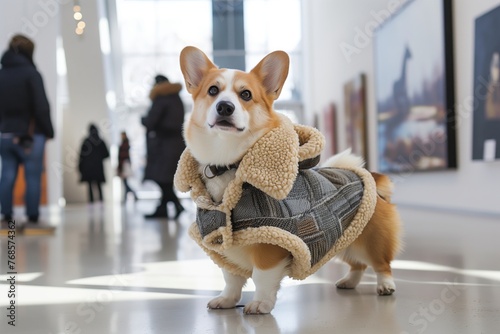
[
  {"x": 152, "y": 35},
  {"x": 278, "y": 27},
  {"x": 153, "y": 32}
]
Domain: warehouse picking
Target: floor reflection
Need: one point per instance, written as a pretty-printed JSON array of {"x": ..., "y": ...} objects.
[{"x": 108, "y": 270}]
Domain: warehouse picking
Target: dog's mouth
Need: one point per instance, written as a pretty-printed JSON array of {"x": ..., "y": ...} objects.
[{"x": 225, "y": 124}]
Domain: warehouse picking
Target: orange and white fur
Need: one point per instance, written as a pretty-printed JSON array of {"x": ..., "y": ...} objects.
[{"x": 232, "y": 110}]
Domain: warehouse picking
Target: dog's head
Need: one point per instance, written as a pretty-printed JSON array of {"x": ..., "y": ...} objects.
[{"x": 232, "y": 109}]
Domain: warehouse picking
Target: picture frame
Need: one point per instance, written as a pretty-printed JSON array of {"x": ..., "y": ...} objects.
[
  {"x": 329, "y": 129},
  {"x": 486, "y": 111},
  {"x": 414, "y": 84},
  {"x": 356, "y": 116}
]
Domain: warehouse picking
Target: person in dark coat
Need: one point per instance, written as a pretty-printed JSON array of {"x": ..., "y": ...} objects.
[
  {"x": 92, "y": 154},
  {"x": 25, "y": 125},
  {"x": 164, "y": 141},
  {"x": 124, "y": 169}
]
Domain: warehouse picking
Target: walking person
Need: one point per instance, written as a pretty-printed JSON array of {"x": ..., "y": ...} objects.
[
  {"x": 93, "y": 152},
  {"x": 25, "y": 125},
  {"x": 124, "y": 165},
  {"x": 164, "y": 141}
]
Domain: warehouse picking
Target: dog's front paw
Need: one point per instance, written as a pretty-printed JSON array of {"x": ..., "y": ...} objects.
[
  {"x": 386, "y": 286},
  {"x": 221, "y": 303},
  {"x": 204, "y": 202},
  {"x": 258, "y": 307}
]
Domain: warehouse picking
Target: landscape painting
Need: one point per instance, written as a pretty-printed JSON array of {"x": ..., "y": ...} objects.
[
  {"x": 355, "y": 116},
  {"x": 486, "y": 128}
]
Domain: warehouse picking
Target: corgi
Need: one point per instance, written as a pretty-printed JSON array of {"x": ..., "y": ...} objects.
[{"x": 231, "y": 111}]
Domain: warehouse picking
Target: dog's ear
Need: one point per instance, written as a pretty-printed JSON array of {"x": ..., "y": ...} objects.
[
  {"x": 194, "y": 65},
  {"x": 272, "y": 71}
]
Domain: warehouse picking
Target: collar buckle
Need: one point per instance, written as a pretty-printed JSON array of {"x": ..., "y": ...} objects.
[{"x": 212, "y": 171}]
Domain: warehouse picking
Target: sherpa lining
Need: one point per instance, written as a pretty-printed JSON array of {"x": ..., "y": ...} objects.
[{"x": 271, "y": 166}]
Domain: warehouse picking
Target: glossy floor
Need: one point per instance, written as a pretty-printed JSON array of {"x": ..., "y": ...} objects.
[{"x": 107, "y": 270}]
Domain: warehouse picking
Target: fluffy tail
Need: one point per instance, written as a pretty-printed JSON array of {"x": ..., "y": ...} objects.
[
  {"x": 385, "y": 186},
  {"x": 344, "y": 160}
]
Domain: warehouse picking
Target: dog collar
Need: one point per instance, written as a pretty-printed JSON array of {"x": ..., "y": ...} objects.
[{"x": 212, "y": 171}]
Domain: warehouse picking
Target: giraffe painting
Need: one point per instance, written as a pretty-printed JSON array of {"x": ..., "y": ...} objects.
[
  {"x": 414, "y": 88},
  {"x": 401, "y": 99}
]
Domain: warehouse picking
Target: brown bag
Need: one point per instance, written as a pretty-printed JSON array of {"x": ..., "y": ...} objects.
[{"x": 26, "y": 140}]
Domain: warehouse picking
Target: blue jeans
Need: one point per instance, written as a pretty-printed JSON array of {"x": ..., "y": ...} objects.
[{"x": 12, "y": 156}]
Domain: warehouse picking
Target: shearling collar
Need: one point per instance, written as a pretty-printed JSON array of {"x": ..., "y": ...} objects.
[{"x": 164, "y": 88}]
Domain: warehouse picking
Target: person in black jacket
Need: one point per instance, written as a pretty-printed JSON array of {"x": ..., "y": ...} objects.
[
  {"x": 124, "y": 169},
  {"x": 92, "y": 154},
  {"x": 164, "y": 141},
  {"x": 25, "y": 125}
]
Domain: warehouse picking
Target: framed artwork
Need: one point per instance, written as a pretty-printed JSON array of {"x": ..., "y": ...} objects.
[
  {"x": 330, "y": 129},
  {"x": 486, "y": 120},
  {"x": 355, "y": 116},
  {"x": 414, "y": 88}
]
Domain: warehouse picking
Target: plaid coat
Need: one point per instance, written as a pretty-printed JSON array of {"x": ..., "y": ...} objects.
[{"x": 320, "y": 206}]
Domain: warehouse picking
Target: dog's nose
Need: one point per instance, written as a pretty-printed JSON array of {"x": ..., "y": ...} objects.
[{"x": 225, "y": 108}]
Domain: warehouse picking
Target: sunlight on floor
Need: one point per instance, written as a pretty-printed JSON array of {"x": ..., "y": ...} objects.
[
  {"x": 427, "y": 266},
  {"x": 47, "y": 295},
  {"x": 204, "y": 275},
  {"x": 24, "y": 277}
]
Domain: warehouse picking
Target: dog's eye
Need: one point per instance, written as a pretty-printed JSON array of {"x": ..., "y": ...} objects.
[
  {"x": 246, "y": 95},
  {"x": 213, "y": 90}
]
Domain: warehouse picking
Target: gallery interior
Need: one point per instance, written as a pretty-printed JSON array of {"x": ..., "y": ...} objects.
[{"x": 412, "y": 86}]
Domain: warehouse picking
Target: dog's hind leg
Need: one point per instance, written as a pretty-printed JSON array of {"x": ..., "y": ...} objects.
[
  {"x": 353, "y": 277},
  {"x": 231, "y": 294},
  {"x": 385, "y": 282}
]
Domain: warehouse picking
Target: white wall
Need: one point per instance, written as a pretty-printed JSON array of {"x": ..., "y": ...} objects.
[
  {"x": 475, "y": 186},
  {"x": 87, "y": 88},
  {"x": 39, "y": 19}
]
